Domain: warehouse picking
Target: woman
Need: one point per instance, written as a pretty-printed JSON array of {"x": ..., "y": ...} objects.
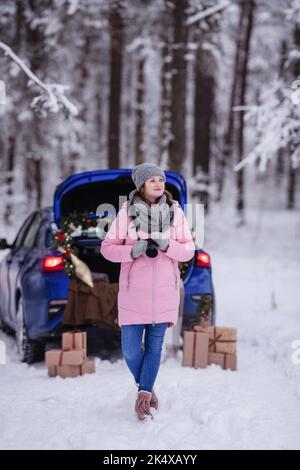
[{"x": 149, "y": 283}]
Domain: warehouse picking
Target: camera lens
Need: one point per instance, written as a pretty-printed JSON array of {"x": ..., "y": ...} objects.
[{"x": 152, "y": 250}]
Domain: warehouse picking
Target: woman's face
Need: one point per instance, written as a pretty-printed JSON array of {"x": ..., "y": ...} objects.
[{"x": 154, "y": 188}]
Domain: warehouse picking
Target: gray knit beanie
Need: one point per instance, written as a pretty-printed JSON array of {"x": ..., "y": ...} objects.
[{"x": 141, "y": 173}]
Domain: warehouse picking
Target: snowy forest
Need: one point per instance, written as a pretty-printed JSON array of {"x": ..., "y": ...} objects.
[
  {"x": 205, "y": 88},
  {"x": 209, "y": 89}
]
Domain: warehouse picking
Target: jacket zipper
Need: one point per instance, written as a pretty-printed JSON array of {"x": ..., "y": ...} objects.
[
  {"x": 153, "y": 277},
  {"x": 176, "y": 277},
  {"x": 128, "y": 276}
]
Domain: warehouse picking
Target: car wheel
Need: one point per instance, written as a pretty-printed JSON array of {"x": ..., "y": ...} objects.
[{"x": 28, "y": 351}]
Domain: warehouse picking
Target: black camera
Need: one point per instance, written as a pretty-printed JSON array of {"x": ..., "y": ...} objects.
[{"x": 152, "y": 249}]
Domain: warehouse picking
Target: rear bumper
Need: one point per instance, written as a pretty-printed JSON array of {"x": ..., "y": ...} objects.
[
  {"x": 50, "y": 321},
  {"x": 198, "y": 289}
]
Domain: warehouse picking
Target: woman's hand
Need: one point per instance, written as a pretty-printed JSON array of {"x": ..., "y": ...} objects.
[
  {"x": 139, "y": 248},
  {"x": 163, "y": 243}
]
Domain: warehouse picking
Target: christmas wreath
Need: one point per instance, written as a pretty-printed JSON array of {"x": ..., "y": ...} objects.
[{"x": 75, "y": 225}]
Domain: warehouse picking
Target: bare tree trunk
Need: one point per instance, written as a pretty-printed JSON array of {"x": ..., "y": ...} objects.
[
  {"x": 73, "y": 158},
  {"x": 33, "y": 169},
  {"x": 128, "y": 126},
  {"x": 165, "y": 102},
  {"x": 229, "y": 132},
  {"x": 116, "y": 63},
  {"x": 9, "y": 180},
  {"x": 203, "y": 117},
  {"x": 279, "y": 169},
  {"x": 139, "y": 108},
  {"x": 13, "y": 129},
  {"x": 291, "y": 148},
  {"x": 241, "y": 96},
  {"x": 291, "y": 182},
  {"x": 177, "y": 147}
]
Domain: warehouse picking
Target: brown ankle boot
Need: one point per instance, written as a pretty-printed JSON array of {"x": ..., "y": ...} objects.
[
  {"x": 154, "y": 400},
  {"x": 142, "y": 405}
]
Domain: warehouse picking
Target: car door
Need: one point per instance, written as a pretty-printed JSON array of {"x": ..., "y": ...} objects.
[
  {"x": 17, "y": 259},
  {"x": 5, "y": 271}
]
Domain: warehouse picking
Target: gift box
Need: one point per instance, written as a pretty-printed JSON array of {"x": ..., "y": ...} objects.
[
  {"x": 68, "y": 371},
  {"x": 87, "y": 367},
  {"x": 52, "y": 371},
  {"x": 53, "y": 357},
  {"x": 221, "y": 339},
  {"x": 225, "y": 360},
  {"x": 58, "y": 357},
  {"x": 74, "y": 340},
  {"x": 195, "y": 349},
  {"x": 71, "y": 360}
]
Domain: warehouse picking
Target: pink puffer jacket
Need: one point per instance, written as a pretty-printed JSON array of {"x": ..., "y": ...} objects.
[{"x": 149, "y": 288}]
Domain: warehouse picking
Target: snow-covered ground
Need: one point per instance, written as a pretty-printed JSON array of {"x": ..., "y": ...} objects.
[{"x": 257, "y": 279}]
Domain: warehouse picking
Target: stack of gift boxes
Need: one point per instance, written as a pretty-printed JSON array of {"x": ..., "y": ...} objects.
[
  {"x": 210, "y": 345},
  {"x": 71, "y": 360}
]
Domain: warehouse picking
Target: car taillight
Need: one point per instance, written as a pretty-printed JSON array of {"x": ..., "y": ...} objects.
[
  {"x": 202, "y": 260},
  {"x": 52, "y": 263}
]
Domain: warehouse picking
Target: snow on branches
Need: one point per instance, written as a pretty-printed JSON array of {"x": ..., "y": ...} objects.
[
  {"x": 277, "y": 123},
  {"x": 52, "y": 96}
]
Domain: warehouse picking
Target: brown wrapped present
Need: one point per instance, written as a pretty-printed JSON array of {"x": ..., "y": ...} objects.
[
  {"x": 52, "y": 371},
  {"x": 73, "y": 358},
  {"x": 74, "y": 340},
  {"x": 53, "y": 357},
  {"x": 68, "y": 371},
  {"x": 195, "y": 349},
  {"x": 221, "y": 339},
  {"x": 58, "y": 357},
  {"x": 88, "y": 367},
  {"x": 225, "y": 360}
]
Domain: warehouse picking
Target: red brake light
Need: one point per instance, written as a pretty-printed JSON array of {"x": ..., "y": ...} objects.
[
  {"x": 202, "y": 260},
  {"x": 52, "y": 263}
]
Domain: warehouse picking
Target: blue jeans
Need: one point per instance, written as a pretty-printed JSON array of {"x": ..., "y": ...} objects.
[{"x": 143, "y": 365}]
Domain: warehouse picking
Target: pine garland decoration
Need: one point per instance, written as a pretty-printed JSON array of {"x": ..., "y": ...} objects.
[{"x": 63, "y": 241}]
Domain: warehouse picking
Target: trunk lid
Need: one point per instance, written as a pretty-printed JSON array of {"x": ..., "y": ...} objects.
[{"x": 84, "y": 192}]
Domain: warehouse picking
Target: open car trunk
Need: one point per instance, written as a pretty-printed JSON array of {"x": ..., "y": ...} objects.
[{"x": 84, "y": 192}]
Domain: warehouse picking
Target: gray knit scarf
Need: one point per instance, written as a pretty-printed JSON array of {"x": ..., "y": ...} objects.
[{"x": 150, "y": 218}]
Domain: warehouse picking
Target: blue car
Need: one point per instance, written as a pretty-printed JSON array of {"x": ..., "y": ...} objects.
[{"x": 33, "y": 282}]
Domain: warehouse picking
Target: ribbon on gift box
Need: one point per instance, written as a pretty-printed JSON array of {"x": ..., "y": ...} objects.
[
  {"x": 57, "y": 365},
  {"x": 225, "y": 360},
  {"x": 196, "y": 329},
  {"x": 61, "y": 357},
  {"x": 72, "y": 346},
  {"x": 73, "y": 332},
  {"x": 217, "y": 339},
  {"x": 194, "y": 349}
]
